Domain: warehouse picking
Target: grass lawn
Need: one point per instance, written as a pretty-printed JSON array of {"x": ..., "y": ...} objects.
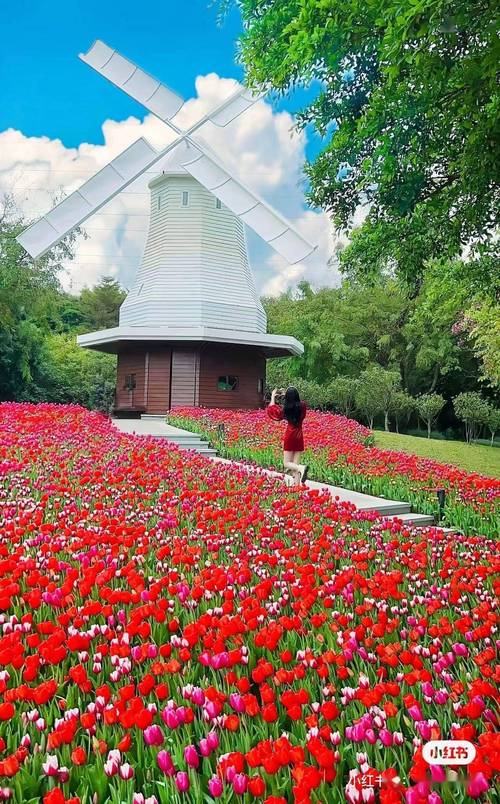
[{"x": 473, "y": 457}]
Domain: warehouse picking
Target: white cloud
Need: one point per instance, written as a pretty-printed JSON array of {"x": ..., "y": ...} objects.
[{"x": 259, "y": 146}]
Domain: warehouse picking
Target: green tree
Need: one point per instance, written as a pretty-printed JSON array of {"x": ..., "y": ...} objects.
[
  {"x": 402, "y": 407},
  {"x": 28, "y": 294},
  {"x": 343, "y": 329},
  {"x": 342, "y": 394},
  {"x": 482, "y": 321},
  {"x": 100, "y": 305},
  {"x": 315, "y": 395},
  {"x": 76, "y": 375},
  {"x": 370, "y": 394},
  {"x": 429, "y": 406},
  {"x": 390, "y": 384},
  {"x": 408, "y": 105},
  {"x": 474, "y": 411},
  {"x": 493, "y": 422}
]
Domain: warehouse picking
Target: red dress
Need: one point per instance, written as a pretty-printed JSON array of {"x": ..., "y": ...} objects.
[{"x": 294, "y": 437}]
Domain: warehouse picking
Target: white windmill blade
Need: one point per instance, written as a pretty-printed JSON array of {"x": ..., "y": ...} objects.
[
  {"x": 155, "y": 96},
  {"x": 90, "y": 197},
  {"x": 279, "y": 233}
]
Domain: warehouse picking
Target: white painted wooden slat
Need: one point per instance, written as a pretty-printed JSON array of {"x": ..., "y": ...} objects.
[
  {"x": 89, "y": 198},
  {"x": 137, "y": 83},
  {"x": 235, "y": 108},
  {"x": 195, "y": 269},
  {"x": 292, "y": 246},
  {"x": 256, "y": 213}
]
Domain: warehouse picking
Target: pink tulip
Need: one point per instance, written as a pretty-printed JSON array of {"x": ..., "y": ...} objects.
[
  {"x": 213, "y": 740},
  {"x": 415, "y": 712},
  {"x": 230, "y": 773},
  {"x": 385, "y": 737},
  {"x": 412, "y": 796},
  {"x": 240, "y": 784},
  {"x": 111, "y": 767},
  {"x": 126, "y": 771},
  {"x": 215, "y": 787},
  {"x": 170, "y": 718},
  {"x": 198, "y": 696},
  {"x": 438, "y": 773},
  {"x": 434, "y": 798},
  {"x": 477, "y": 785},
  {"x": 213, "y": 709},
  {"x": 191, "y": 756},
  {"x": 51, "y": 765},
  {"x": 182, "y": 781},
  {"x": 424, "y": 729},
  {"x": 237, "y": 703},
  {"x": 204, "y": 747},
  {"x": 371, "y": 736},
  {"x": 335, "y": 738},
  {"x": 153, "y": 735},
  {"x": 164, "y": 762}
]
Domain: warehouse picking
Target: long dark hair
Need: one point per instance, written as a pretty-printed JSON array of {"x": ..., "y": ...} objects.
[{"x": 291, "y": 406}]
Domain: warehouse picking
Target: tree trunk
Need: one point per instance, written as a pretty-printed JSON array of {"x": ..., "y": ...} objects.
[
  {"x": 397, "y": 425},
  {"x": 386, "y": 421},
  {"x": 435, "y": 378},
  {"x": 492, "y": 437},
  {"x": 371, "y": 422},
  {"x": 428, "y": 428}
]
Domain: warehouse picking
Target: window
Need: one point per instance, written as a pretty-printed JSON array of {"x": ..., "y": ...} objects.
[
  {"x": 130, "y": 382},
  {"x": 218, "y": 203},
  {"x": 185, "y": 198},
  {"x": 227, "y": 383},
  {"x": 260, "y": 385}
]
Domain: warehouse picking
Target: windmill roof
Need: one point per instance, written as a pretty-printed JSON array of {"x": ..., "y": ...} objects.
[{"x": 108, "y": 340}]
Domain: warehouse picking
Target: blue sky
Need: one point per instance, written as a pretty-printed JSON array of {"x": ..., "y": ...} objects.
[
  {"x": 47, "y": 90},
  {"x": 53, "y": 107}
]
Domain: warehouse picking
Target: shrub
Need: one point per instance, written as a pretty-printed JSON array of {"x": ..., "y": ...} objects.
[
  {"x": 429, "y": 406},
  {"x": 474, "y": 411}
]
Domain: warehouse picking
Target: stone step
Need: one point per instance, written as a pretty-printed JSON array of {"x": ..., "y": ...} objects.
[
  {"x": 194, "y": 445},
  {"x": 364, "y": 502},
  {"x": 419, "y": 520}
]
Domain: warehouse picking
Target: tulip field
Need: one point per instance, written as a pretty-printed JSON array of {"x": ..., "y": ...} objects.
[
  {"x": 339, "y": 451},
  {"x": 178, "y": 630}
]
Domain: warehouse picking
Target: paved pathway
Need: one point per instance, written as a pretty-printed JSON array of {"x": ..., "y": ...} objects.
[{"x": 157, "y": 427}]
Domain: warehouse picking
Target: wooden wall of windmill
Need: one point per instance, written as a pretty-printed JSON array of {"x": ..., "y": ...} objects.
[{"x": 153, "y": 378}]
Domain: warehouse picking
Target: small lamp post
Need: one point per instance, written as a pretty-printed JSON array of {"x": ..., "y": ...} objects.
[{"x": 441, "y": 496}]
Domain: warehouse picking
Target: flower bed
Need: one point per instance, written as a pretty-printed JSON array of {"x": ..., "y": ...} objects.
[
  {"x": 340, "y": 452},
  {"x": 177, "y": 630}
]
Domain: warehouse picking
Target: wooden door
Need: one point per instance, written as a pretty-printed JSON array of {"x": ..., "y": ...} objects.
[{"x": 158, "y": 367}]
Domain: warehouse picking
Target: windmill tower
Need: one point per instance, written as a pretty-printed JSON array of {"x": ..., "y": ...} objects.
[{"x": 192, "y": 330}]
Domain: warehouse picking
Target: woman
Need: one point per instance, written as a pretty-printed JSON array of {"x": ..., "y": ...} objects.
[{"x": 294, "y": 411}]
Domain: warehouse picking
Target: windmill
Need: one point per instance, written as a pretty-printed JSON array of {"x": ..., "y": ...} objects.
[{"x": 192, "y": 330}]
